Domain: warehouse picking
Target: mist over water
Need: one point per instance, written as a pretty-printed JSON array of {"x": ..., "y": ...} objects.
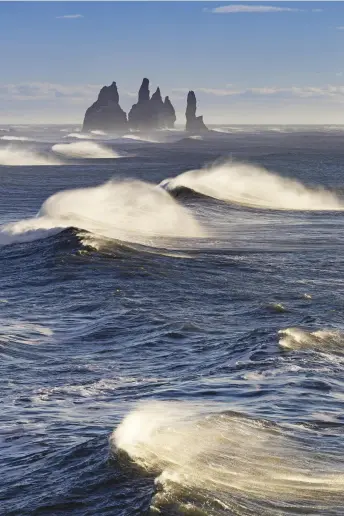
[
  {"x": 171, "y": 331},
  {"x": 85, "y": 150}
]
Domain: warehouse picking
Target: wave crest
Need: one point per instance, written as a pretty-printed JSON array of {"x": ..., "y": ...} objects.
[
  {"x": 224, "y": 460},
  {"x": 254, "y": 186},
  {"x": 18, "y": 157},
  {"x": 296, "y": 338},
  {"x": 131, "y": 211},
  {"x": 85, "y": 150}
]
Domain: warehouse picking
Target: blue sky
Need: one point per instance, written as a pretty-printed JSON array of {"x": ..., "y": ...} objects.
[{"x": 249, "y": 62}]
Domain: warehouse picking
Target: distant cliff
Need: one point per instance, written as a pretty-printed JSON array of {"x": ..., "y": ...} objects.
[
  {"x": 149, "y": 113},
  {"x": 194, "y": 124},
  {"x": 106, "y": 113}
]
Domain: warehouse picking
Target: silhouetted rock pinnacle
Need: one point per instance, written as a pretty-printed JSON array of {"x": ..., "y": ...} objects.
[
  {"x": 170, "y": 114},
  {"x": 194, "y": 124},
  {"x": 106, "y": 114},
  {"x": 151, "y": 113}
]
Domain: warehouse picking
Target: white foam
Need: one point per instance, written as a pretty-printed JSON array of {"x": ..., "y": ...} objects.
[
  {"x": 15, "y": 138},
  {"x": 140, "y": 138},
  {"x": 251, "y": 185},
  {"x": 133, "y": 211},
  {"x": 99, "y": 133},
  {"x": 296, "y": 338},
  {"x": 222, "y": 457},
  {"x": 15, "y": 157},
  {"x": 85, "y": 150},
  {"x": 79, "y": 136}
]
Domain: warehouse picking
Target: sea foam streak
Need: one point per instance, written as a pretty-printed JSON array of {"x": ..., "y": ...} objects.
[
  {"x": 250, "y": 185},
  {"x": 85, "y": 150},
  {"x": 133, "y": 211},
  {"x": 225, "y": 461},
  {"x": 15, "y": 156}
]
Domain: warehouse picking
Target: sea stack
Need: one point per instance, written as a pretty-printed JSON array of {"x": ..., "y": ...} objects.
[
  {"x": 151, "y": 113},
  {"x": 139, "y": 116},
  {"x": 106, "y": 114},
  {"x": 170, "y": 114},
  {"x": 194, "y": 124}
]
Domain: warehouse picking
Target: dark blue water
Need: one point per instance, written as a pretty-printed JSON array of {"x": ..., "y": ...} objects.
[{"x": 175, "y": 349}]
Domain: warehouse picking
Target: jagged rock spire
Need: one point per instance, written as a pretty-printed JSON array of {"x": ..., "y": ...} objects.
[
  {"x": 106, "y": 114},
  {"x": 194, "y": 124}
]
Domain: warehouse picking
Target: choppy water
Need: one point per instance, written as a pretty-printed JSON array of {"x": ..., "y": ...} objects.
[{"x": 172, "y": 336}]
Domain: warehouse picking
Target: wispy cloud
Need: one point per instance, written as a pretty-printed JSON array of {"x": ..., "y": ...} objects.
[
  {"x": 233, "y": 9},
  {"x": 340, "y": 28},
  {"x": 32, "y": 91},
  {"x": 53, "y": 92},
  {"x": 328, "y": 91},
  {"x": 70, "y": 16}
]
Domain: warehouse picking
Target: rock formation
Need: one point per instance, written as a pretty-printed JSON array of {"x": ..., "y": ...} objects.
[
  {"x": 170, "y": 114},
  {"x": 148, "y": 114},
  {"x": 139, "y": 116},
  {"x": 194, "y": 124},
  {"x": 151, "y": 113},
  {"x": 106, "y": 114}
]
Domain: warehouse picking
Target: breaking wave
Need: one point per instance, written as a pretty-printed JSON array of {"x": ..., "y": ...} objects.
[
  {"x": 139, "y": 138},
  {"x": 19, "y": 157},
  {"x": 131, "y": 211},
  {"x": 226, "y": 462},
  {"x": 254, "y": 186},
  {"x": 79, "y": 136},
  {"x": 327, "y": 340},
  {"x": 16, "y": 138},
  {"x": 85, "y": 150},
  {"x": 99, "y": 133}
]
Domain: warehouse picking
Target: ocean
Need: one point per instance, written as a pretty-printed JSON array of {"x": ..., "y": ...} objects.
[{"x": 172, "y": 335}]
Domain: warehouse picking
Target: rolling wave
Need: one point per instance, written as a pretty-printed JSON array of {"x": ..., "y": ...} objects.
[
  {"x": 79, "y": 136},
  {"x": 99, "y": 133},
  {"x": 140, "y": 138},
  {"x": 16, "y": 138},
  {"x": 131, "y": 211},
  {"x": 326, "y": 340},
  {"x": 226, "y": 461},
  {"x": 18, "y": 157},
  {"x": 85, "y": 150},
  {"x": 253, "y": 186}
]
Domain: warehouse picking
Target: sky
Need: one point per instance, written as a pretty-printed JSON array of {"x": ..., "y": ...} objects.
[{"x": 248, "y": 62}]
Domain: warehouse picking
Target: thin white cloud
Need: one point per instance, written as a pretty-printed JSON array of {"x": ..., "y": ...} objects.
[
  {"x": 70, "y": 16},
  {"x": 329, "y": 91},
  {"x": 340, "y": 28},
  {"x": 233, "y": 9}
]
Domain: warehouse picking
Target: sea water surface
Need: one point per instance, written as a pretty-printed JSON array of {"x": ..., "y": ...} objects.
[{"x": 171, "y": 322}]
